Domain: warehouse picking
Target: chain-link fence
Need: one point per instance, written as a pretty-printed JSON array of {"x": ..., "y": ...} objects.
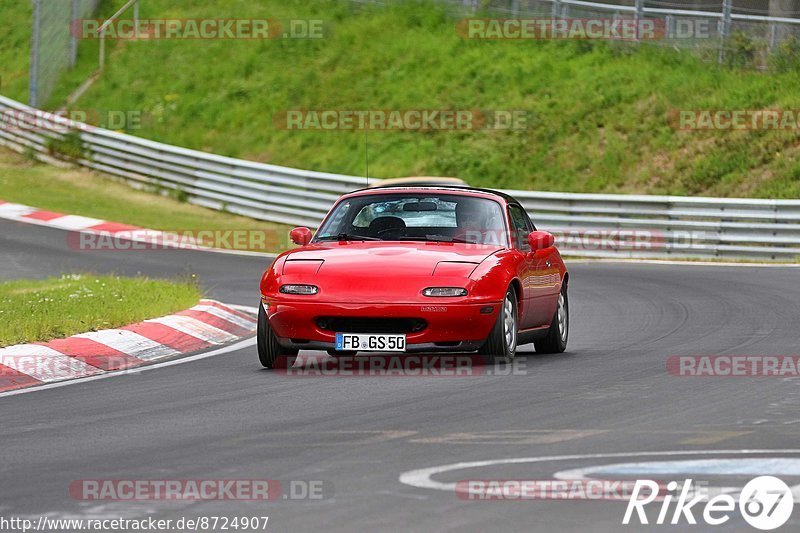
[
  {"x": 736, "y": 32},
  {"x": 53, "y": 47}
]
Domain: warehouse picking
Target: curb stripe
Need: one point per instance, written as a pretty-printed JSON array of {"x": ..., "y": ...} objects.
[
  {"x": 130, "y": 343},
  {"x": 44, "y": 216},
  {"x": 217, "y": 322},
  {"x": 43, "y": 363},
  {"x": 93, "y": 353},
  {"x": 214, "y": 303},
  {"x": 11, "y": 379},
  {"x": 169, "y": 337},
  {"x": 16, "y": 210},
  {"x": 127, "y": 232},
  {"x": 227, "y": 315},
  {"x": 195, "y": 328},
  {"x": 75, "y": 222},
  {"x": 113, "y": 227}
]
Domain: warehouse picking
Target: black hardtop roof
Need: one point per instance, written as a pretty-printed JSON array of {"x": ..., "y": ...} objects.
[{"x": 453, "y": 188}]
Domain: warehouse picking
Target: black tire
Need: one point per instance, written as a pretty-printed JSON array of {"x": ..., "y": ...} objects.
[
  {"x": 500, "y": 347},
  {"x": 556, "y": 340},
  {"x": 270, "y": 353}
]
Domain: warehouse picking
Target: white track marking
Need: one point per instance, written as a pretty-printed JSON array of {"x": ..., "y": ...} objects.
[
  {"x": 219, "y": 351},
  {"x": 14, "y": 211},
  {"x": 421, "y": 478},
  {"x": 195, "y": 328},
  {"x": 244, "y": 308},
  {"x": 44, "y": 364},
  {"x": 75, "y": 222},
  {"x": 130, "y": 343},
  {"x": 756, "y": 466},
  {"x": 226, "y": 316},
  {"x": 773, "y": 466}
]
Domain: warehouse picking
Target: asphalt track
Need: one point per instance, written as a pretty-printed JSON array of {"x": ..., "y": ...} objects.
[{"x": 224, "y": 417}]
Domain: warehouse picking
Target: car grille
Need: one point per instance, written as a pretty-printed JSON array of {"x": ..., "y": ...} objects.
[{"x": 343, "y": 324}]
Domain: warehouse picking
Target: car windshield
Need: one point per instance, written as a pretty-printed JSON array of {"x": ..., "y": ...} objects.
[{"x": 417, "y": 217}]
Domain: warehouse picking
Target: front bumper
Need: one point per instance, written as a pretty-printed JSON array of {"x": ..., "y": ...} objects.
[{"x": 460, "y": 326}]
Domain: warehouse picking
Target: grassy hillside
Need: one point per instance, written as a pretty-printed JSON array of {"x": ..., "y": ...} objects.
[
  {"x": 15, "y": 48},
  {"x": 598, "y": 110}
]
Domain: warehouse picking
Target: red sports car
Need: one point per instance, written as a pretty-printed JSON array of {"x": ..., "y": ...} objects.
[{"x": 416, "y": 269}]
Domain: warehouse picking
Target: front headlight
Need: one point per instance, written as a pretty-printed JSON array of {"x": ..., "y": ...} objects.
[
  {"x": 443, "y": 292},
  {"x": 305, "y": 290}
]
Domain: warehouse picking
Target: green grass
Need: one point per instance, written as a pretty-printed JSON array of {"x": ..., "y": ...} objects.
[
  {"x": 42, "y": 310},
  {"x": 15, "y": 53},
  {"x": 15, "y": 48},
  {"x": 598, "y": 110},
  {"x": 81, "y": 192}
]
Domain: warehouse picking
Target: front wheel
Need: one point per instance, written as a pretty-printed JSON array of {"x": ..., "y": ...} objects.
[
  {"x": 557, "y": 335},
  {"x": 270, "y": 352},
  {"x": 501, "y": 346}
]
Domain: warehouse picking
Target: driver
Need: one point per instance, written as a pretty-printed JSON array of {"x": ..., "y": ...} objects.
[{"x": 473, "y": 220}]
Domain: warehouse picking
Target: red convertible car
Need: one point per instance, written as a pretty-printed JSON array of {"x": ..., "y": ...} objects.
[{"x": 416, "y": 269}]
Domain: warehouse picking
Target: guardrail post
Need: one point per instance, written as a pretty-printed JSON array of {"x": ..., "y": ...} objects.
[{"x": 724, "y": 29}]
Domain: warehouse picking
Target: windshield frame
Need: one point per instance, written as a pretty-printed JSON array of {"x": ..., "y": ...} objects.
[{"x": 416, "y": 194}]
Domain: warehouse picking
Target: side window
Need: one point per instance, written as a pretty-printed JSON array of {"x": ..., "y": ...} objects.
[{"x": 522, "y": 226}]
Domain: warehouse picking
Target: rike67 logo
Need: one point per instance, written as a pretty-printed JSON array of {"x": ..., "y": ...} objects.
[{"x": 766, "y": 503}]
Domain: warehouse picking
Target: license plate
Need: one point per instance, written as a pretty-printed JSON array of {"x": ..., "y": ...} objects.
[{"x": 370, "y": 342}]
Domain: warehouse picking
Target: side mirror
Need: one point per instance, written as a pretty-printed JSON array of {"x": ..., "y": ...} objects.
[
  {"x": 539, "y": 240},
  {"x": 301, "y": 236}
]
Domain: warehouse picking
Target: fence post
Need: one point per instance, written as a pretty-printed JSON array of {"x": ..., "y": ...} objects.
[
  {"x": 773, "y": 36},
  {"x": 36, "y": 34},
  {"x": 639, "y": 15},
  {"x": 725, "y": 29},
  {"x": 556, "y": 9},
  {"x": 102, "y": 60},
  {"x": 73, "y": 40}
]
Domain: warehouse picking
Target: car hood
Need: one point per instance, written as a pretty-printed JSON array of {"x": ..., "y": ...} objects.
[{"x": 381, "y": 271}]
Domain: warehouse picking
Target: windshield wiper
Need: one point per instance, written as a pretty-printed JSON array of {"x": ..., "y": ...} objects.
[
  {"x": 439, "y": 238},
  {"x": 347, "y": 237}
]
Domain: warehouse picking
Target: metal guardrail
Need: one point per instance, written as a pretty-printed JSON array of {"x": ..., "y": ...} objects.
[{"x": 603, "y": 225}]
